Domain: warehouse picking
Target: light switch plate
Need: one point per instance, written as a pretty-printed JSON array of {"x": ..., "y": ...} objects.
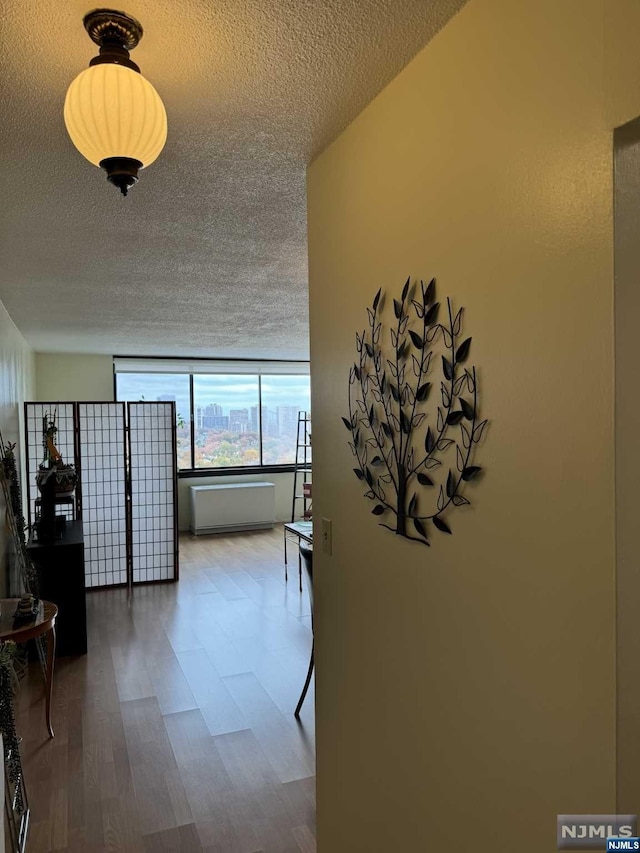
[{"x": 325, "y": 536}]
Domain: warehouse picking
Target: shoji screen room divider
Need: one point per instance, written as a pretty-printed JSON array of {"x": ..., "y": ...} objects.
[{"x": 126, "y": 497}]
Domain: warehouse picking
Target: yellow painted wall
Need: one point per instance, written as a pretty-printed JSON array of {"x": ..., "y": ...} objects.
[
  {"x": 16, "y": 385},
  {"x": 62, "y": 376},
  {"x": 470, "y": 688}
]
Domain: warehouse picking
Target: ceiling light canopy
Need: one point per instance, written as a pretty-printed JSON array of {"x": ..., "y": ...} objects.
[{"x": 114, "y": 116}]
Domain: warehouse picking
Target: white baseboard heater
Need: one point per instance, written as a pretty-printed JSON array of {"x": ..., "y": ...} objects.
[{"x": 232, "y": 507}]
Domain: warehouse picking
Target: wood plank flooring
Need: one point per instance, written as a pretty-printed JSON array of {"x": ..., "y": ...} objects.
[{"x": 176, "y": 731}]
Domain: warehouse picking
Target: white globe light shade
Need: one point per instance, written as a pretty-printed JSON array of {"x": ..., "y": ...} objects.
[{"x": 112, "y": 111}]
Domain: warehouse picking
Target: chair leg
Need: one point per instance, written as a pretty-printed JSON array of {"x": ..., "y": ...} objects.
[
  {"x": 285, "y": 557},
  {"x": 306, "y": 686}
]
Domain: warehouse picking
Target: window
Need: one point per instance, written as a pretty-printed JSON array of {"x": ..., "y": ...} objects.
[
  {"x": 245, "y": 414},
  {"x": 227, "y": 425},
  {"x": 162, "y": 386},
  {"x": 282, "y": 398}
]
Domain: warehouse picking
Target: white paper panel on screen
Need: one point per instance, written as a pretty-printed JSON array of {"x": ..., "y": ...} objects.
[
  {"x": 102, "y": 471},
  {"x": 153, "y": 485}
]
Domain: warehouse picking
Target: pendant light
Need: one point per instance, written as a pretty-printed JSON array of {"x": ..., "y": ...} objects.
[{"x": 114, "y": 116}]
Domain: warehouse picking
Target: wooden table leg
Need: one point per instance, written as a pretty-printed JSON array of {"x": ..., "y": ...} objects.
[{"x": 51, "y": 657}]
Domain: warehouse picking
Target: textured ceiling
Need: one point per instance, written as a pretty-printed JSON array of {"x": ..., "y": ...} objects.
[{"x": 207, "y": 254}]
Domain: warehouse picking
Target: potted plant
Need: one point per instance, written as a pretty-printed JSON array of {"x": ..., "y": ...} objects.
[{"x": 52, "y": 464}]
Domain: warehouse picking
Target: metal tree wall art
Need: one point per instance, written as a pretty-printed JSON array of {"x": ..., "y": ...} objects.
[{"x": 414, "y": 441}]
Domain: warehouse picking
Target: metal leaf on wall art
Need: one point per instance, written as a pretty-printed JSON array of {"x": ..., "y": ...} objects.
[{"x": 413, "y": 412}]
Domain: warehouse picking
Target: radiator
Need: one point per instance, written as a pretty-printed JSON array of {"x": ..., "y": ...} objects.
[{"x": 232, "y": 507}]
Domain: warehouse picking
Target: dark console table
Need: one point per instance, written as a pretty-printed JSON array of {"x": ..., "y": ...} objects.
[{"x": 60, "y": 566}]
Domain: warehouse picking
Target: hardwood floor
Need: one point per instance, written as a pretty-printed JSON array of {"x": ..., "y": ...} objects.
[{"x": 176, "y": 731}]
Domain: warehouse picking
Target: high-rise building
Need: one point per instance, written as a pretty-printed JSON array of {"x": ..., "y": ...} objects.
[
  {"x": 254, "y": 419},
  {"x": 269, "y": 422},
  {"x": 219, "y": 422},
  {"x": 166, "y": 398},
  {"x": 287, "y": 420},
  {"x": 239, "y": 420},
  {"x": 212, "y": 417}
]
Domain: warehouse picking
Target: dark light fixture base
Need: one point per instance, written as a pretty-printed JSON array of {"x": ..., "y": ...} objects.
[
  {"x": 117, "y": 33},
  {"x": 122, "y": 172},
  {"x": 109, "y": 26}
]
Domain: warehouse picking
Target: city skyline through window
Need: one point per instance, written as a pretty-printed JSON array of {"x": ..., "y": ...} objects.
[
  {"x": 227, "y": 431},
  {"x": 239, "y": 420}
]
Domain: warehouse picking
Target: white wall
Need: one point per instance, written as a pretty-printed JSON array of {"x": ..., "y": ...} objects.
[
  {"x": 17, "y": 373},
  {"x": 16, "y": 376}
]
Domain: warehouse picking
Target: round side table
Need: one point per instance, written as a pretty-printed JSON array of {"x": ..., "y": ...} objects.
[{"x": 44, "y": 622}]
